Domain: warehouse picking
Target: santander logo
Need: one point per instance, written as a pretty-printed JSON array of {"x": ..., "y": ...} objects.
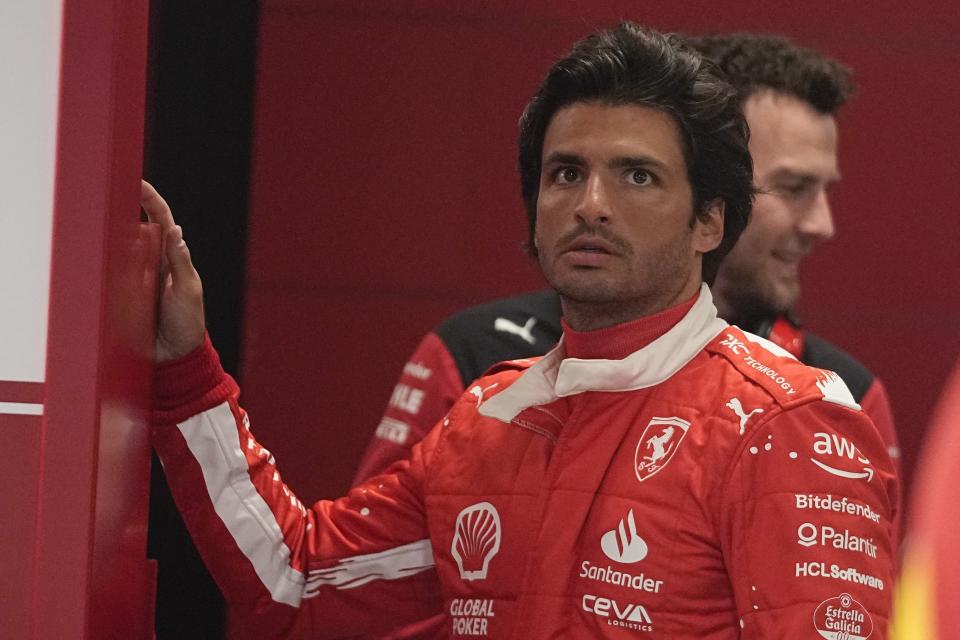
[
  {"x": 476, "y": 540},
  {"x": 624, "y": 544}
]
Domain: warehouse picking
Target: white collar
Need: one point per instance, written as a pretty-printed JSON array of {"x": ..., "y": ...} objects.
[{"x": 556, "y": 377}]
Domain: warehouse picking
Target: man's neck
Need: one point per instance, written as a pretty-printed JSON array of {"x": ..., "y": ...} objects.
[
  {"x": 724, "y": 309},
  {"x": 593, "y": 316},
  {"x": 620, "y": 340},
  {"x": 745, "y": 315}
]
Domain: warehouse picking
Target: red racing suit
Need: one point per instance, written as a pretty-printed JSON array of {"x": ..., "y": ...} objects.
[
  {"x": 706, "y": 486},
  {"x": 465, "y": 345}
]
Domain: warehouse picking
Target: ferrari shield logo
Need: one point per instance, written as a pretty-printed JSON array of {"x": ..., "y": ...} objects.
[{"x": 660, "y": 440}]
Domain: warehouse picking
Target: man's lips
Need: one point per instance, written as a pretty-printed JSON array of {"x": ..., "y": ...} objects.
[
  {"x": 591, "y": 244},
  {"x": 590, "y": 252},
  {"x": 790, "y": 257}
]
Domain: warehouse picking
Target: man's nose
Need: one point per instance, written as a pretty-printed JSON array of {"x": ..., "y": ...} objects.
[
  {"x": 817, "y": 222},
  {"x": 593, "y": 206}
]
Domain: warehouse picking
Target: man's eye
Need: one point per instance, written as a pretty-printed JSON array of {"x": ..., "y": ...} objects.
[
  {"x": 568, "y": 174},
  {"x": 794, "y": 190},
  {"x": 641, "y": 177}
]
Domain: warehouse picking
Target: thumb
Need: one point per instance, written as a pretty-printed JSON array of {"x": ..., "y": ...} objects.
[
  {"x": 180, "y": 326},
  {"x": 177, "y": 254}
]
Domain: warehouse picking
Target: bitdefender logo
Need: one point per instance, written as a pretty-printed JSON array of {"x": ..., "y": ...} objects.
[
  {"x": 624, "y": 544},
  {"x": 476, "y": 540}
]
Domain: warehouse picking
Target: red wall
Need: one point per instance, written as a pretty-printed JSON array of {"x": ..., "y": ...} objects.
[
  {"x": 90, "y": 459},
  {"x": 384, "y": 195}
]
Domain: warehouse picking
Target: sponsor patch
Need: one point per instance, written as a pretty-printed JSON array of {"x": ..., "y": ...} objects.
[
  {"x": 471, "y": 617},
  {"x": 840, "y": 457},
  {"x": 626, "y": 615},
  {"x": 836, "y": 504},
  {"x": 836, "y": 572},
  {"x": 810, "y": 535},
  {"x": 609, "y": 575},
  {"x": 476, "y": 540},
  {"x": 393, "y": 430},
  {"x": 842, "y": 618},
  {"x": 406, "y": 398},
  {"x": 658, "y": 443},
  {"x": 624, "y": 544}
]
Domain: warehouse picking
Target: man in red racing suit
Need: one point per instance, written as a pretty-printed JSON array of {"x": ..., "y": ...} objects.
[
  {"x": 659, "y": 472},
  {"x": 701, "y": 486},
  {"x": 793, "y": 143},
  {"x": 809, "y": 88}
]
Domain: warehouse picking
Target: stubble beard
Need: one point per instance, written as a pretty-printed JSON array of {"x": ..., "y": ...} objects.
[
  {"x": 608, "y": 299},
  {"x": 752, "y": 295}
]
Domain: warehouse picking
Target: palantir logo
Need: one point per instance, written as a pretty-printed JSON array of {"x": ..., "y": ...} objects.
[
  {"x": 476, "y": 540},
  {"x": 807, "y": 534},
  {"x": 623, "y": 544},
  {"x": 660, "y": 440}
]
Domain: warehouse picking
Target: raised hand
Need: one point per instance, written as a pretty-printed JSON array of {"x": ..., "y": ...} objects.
[{"x": 180, "y": 323}]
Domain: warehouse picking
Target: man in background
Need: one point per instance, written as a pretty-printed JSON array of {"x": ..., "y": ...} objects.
[{"x": 790, "y": 96}]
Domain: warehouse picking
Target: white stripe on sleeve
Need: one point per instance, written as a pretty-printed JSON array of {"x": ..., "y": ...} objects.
[
  {"x": 212, "y": 438},
  {"x": 391, "y": 564}
]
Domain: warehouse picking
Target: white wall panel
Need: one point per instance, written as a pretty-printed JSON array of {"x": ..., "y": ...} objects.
[{"x": 30, "y": 69}]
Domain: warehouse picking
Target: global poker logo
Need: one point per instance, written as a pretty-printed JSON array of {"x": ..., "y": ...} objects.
[
  {"x": 842, "y": 618},
  {"x": 476, "y": 540},
  {"x": 659, "y": 441}
]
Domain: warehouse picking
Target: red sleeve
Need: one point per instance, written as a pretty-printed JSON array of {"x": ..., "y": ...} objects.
[
  {"x": 806, "y": 526},
  {"x": 362, "y": 563},
  {"x": 876, "y": 404},
  {"x": 428, "y": 386}
]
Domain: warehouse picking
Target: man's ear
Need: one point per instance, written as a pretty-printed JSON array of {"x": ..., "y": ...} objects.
[{"x": 708, "y": 227}]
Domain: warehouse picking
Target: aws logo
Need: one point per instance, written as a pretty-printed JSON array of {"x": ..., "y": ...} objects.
[{"x": 840, "y": 457}]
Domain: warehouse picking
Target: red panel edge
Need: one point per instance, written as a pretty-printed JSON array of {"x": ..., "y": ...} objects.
[
  {"x": 96, "y": 236},
  {"x": 14, "y": 391}
]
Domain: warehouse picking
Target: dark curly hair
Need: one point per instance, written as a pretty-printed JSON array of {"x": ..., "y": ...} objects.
[
  {"x": 753, "y": 62},
  {"x": 632, "y": 65}
]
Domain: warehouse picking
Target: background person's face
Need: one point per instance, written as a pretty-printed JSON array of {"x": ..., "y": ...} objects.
[
  {"x": 794, "y": 149},
  {"x": 615, "y": 214}
]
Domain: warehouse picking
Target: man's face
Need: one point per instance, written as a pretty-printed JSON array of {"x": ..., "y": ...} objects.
[
  {"x": 615, "y": 228},
  {"x": 794, "y": 149}
]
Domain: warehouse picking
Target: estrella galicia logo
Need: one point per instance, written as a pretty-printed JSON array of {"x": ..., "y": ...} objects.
[{"x": 842, "y": 618}]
